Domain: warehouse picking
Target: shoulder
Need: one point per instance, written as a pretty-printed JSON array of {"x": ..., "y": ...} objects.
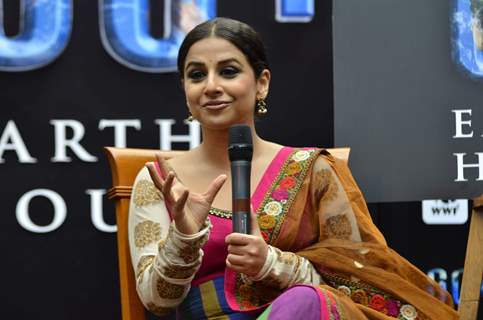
[
  {"x": 323, "y": 162},
  {"x": 323, "y": 158},
  {"x": 310, "y": 155},
  {"x": 144, "y": 192},
  {"x": 143, "y": 174}
]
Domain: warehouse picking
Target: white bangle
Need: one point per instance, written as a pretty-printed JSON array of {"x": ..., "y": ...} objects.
[
  {"x": 206, "y": 226},
  {"x": 267, "y": 266}
]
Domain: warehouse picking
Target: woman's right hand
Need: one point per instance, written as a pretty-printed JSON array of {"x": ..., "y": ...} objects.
[{"x": 189, "y": 209}]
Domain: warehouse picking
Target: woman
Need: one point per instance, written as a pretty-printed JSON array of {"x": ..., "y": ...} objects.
[{"x": 313, "y": 252}]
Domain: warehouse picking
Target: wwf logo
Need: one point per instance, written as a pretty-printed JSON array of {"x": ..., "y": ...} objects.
[{"x": 445, "y": 211}]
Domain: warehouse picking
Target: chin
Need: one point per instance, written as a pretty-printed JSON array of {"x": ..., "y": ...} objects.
[{"x": 222, "y": 123}]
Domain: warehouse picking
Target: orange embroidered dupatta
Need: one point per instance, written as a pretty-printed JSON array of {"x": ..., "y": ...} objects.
[{"x": 314, "y": 208}]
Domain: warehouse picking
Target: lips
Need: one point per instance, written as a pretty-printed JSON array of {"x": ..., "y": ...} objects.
[{"x": 216, "y": 105}]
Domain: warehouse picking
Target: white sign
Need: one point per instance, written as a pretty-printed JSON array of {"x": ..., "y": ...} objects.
[{"x": 445, "y": 211}]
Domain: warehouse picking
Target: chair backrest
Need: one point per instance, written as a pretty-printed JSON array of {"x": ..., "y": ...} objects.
[
  {"x": 125, "y": 163},
  {"x": 473, "y": 269}
]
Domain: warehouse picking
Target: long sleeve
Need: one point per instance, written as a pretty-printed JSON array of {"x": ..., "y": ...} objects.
[
  {"x": 164, "y": 260},
  {"x": 283, "y": 269}
]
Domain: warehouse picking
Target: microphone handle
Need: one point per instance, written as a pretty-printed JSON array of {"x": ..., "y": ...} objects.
[{"x": 240, "y": 173}]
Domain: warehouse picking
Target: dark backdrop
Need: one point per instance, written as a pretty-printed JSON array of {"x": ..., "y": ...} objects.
[
  {"x": 71, "y": 272},
  {"x": 398, "y": 79}
]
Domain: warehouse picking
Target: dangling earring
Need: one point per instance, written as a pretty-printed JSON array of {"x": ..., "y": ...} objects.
[
  {"x": 261, "y": 106},
  {"x": 190, "y": 117}
]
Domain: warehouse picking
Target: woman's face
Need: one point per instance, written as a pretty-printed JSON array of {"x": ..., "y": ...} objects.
[{"x": 220, "y": 85}]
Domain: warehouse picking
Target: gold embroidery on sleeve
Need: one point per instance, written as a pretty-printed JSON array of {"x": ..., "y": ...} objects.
[
  {"x": 327, "y": 187},
  {"x": 146, "y": 232},
  {"x": 161, "y": 244},
  {"x": 189, "y": 253},
  {"x": 178, "y": 272},
  {"x": 158, "y": 311},
  {"x": 145, "y": 193},
  {"x": 168, "y": 290},
  {"x": 196, "y": 243},
  {"x": 338, "y": 227},
  {"x": 143, "y": 264},
  {"x": 297, "y": 264},
  {"x": 287, "y": 258}
]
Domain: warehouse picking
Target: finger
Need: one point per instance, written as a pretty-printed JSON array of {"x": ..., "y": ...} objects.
[
  {"x": 180, "y": 203},
  {"x": 237, "y": 250},
  {"x": 237, "y": 239},
  {"x": 166, "y": 190},
  {"x": 157, "y": 180},
  {"x": 214, "y": 187},
  {"x": 234, "y": 267},
  {"x": 163, "y": 167},
  {"x": 168, "y": 183},
  {"x": 235, "y": 260},
  {"x": 178, "y": 207}
]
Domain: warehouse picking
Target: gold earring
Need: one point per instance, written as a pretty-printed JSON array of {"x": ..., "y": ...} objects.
[
  {"x": 261, "y": 106},
  {"x": 190, "y": 117}
]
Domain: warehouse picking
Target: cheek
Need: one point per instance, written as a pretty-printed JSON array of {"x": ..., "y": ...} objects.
[
  {"x": 245, "y": 88},
  {"x": 192, "y": 93}
]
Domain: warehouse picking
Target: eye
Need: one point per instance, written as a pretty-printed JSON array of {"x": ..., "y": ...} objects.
[
  {"x": 229, "y": 72},
  {"x": 196, "y": 74}
]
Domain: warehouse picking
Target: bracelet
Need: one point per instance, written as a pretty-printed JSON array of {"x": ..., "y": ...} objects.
[{"x": 267, "y": 266}]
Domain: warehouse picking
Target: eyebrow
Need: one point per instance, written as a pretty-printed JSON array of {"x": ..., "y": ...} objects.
[
  {"x": 229, "y": 60},
  {"x": 198, "y": 63}
]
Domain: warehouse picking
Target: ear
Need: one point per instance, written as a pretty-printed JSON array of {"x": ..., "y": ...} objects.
[{"x": 263, "y": 84}]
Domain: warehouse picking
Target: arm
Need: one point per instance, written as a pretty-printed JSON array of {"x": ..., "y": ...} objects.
[
  {"x": 283, "y": 269},
  {"x": 164, "y": 259}
]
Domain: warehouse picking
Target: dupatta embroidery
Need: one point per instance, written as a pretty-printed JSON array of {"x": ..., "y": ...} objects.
[
  {"x": 279, "y": 198},
  {"x": 374, "y": 298}
]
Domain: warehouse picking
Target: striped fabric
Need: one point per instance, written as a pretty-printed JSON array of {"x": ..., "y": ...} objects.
[{"x": 207, "y": 301}]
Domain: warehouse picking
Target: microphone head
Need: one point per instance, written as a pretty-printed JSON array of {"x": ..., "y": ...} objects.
[{"x": 240, "y": 146}]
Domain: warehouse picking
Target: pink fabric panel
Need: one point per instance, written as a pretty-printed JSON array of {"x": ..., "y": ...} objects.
[
  {"x": 269, "y": 176},
  {"x": 300, "y": 302},
  {"x": 215, "y": 251}
]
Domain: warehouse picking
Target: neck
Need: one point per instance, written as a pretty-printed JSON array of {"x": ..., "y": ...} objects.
[{"x": 214, "y": 148}]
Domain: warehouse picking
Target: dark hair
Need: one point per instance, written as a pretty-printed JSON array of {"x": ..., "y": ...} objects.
[{"x": 236, "y": 32}]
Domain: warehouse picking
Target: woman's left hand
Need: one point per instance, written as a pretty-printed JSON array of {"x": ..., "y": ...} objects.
[{"x": 247, "y": 252}]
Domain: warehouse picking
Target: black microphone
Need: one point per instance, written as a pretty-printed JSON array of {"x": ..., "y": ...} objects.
[{"x": 240, "y": 151}]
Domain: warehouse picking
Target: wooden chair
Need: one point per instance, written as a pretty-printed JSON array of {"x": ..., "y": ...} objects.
[
  {"x": 125, "y": 164},
  {"x": 473, "y": 269}
]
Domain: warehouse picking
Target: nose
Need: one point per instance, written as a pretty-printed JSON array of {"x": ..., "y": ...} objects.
[{"x": 213, "y": 87}]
